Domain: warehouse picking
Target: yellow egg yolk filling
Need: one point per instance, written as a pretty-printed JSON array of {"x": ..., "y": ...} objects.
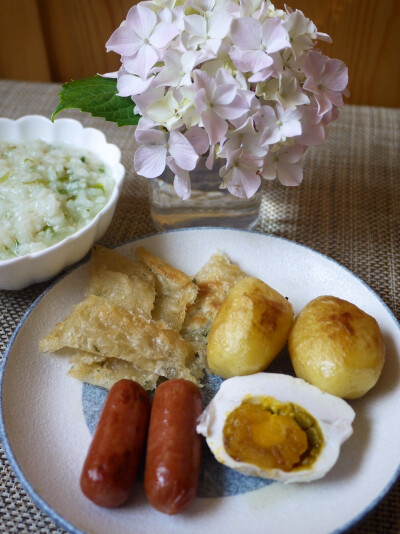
[{"x": 272, "y": 435}]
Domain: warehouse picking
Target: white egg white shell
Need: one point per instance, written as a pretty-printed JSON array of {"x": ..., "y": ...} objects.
[{"x": 333, "y": 414}]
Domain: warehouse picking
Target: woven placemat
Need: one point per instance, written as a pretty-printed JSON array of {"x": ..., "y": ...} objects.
[{"x": 348, "y": 208}]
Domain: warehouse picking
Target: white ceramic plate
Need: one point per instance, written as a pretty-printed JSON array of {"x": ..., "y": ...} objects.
[{"x": 46, "y": 435}]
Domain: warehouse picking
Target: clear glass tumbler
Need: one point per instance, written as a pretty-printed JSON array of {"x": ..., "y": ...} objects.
[{"x": 207, "y": 206}]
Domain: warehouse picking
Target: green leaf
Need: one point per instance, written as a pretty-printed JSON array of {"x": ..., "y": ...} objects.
[{"x": 98, "y": 96}]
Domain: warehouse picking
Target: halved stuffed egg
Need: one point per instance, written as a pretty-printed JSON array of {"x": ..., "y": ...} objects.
[{"x": 276, "y": 426}]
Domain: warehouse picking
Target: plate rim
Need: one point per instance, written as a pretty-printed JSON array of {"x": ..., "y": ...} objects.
[{"x": 37, "y": 499}]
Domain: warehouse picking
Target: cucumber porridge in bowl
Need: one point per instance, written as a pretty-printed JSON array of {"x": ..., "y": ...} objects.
[{"x": 47, "y": 192}]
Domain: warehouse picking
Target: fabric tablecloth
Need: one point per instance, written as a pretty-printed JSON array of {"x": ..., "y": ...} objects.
[{"x": 348, "y": 208}]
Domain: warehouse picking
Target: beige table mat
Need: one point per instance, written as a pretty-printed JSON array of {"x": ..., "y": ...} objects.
[{"x": 348, "y": 208}]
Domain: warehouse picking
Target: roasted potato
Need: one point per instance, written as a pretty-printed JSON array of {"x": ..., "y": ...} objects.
[
  {"x": 249, "y": 330},
  {"x": 337, "y": 347}
]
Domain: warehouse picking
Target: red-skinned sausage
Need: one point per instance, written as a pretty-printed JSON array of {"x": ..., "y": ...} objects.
[
  {"x": 118, "y": 443},
  {"x": 173, "y": 453}
]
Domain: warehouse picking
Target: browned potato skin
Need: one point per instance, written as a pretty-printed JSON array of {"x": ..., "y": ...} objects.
[
  {"x": 337, "y": 347},
  {"x": 249, "y": 330}
]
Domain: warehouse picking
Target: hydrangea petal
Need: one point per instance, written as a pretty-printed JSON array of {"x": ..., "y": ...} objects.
[
  {"x": 146, "y": 99},
  {"x": 270, "y": 135},
  {"x": 262, "y": 74},
  {"x": 219, "y": 25},
  {"x": 323, "y": 37},
  {"x": 335, "y": 75},
  {"x": 251, "y": 181},
  {"x": 163, "y": 33},
  {"x": 202, "y": 5},
  {"x": 291, "y": 128},
  {"x": 149, "y": 160},
  {"x": 163, "y": 111},
  {"x": 211, "y": 158},
  {"x": 170, "y": 74},
  {"x": 215, "y": 126},
  {"x": 148, "y": 136},
  {"x": 246, "y": 33},
  {"x": 224, "y": 94},
  {"x": 290, "y": 174},
  {"x": 202, "y": 80},
  {"x": 234, "y": 109},
  {"x": 131, "y": 85},
  {"x": 335, "y": 97},
  {"x": 243, "y": 182},
  {"x": 201, "y": 100},
  {"x": 268, "y": 171},
  {"x": 198, "y": 138},
  {"x": 142, "y": 19},
  {"x": 292, "y": 154},
  {"x": 312, "y": 134},
  {"x": 196, "y": 25},
  {"x": 109, "y": 74},
  {"x": 212, "y": 47},
  {"x": 314, "y": 65},
  {"x": 182, "y": 183},
  {"x": 323, "y": 101},
  {"x": 182, "y": 151},
  {"x": 188, "y": 60},
  {"x": 250, "y": 60},
  {"x": 274, "y": 35},
  {"x": 264, "y": 118},
  {"x": 142, "y": 62},
  {"x": 123, "y": 41}
]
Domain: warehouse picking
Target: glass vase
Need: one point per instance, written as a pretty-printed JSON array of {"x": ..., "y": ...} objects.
[{"x": 207, "y": 206}]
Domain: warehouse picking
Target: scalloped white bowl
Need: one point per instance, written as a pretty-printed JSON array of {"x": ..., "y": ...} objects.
[{"x": 23, "y": 271}]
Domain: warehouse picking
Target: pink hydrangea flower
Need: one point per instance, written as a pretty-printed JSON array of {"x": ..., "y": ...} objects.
[
  {"x": 216, "y": 103},
  {"x": 253, "y": 42},
  {"x": 236, "y": 80},
  {"x": 326, "y": 78},
  {"x": 277, "y": 124},
  {"x": 284, "y": 164},
  {"x": 140, "y": 40},
  {"x": 155, "y": 146},
  {"x": 241, "y": 174}
]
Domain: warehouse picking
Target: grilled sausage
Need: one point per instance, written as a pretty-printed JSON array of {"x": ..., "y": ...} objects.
[
  {"x": 118, "y": 443},
  {"x": 173, "y": 454}
]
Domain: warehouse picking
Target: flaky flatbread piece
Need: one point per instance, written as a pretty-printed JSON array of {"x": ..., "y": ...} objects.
[
  {"x": 175, "y": 290},
  {"x": 128, "y": 283},
  {"x": 106, "y": 373},
  {"x": 215, "y": 280},
  {"x": 99, "y": 326}
]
